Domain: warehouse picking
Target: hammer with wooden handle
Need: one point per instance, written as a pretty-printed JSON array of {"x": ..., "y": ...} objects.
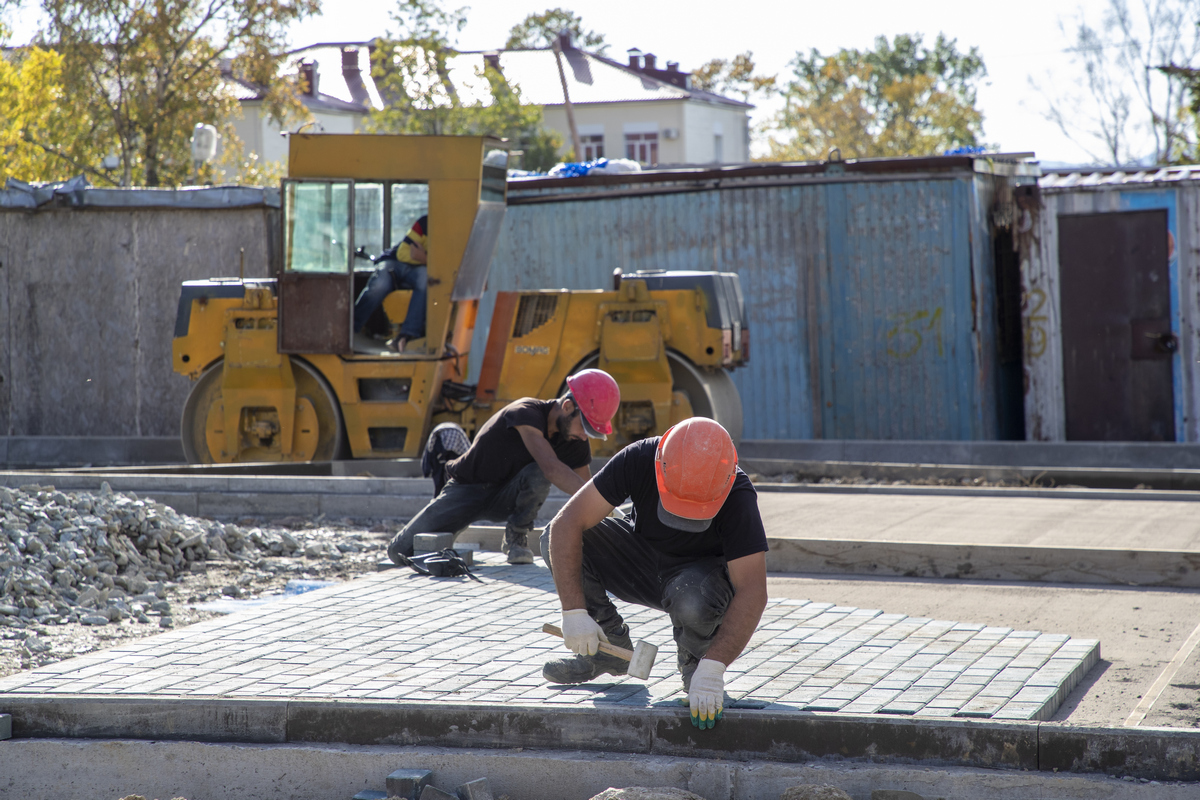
[{"x": 640, "y": 658}]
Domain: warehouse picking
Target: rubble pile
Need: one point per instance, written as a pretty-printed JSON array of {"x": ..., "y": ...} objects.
[{"x": 100, "y": 558}]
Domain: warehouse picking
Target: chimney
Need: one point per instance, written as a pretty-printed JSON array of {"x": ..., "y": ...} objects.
[
  {"x": 564, "y": 39},
  {"x": 649, "y": 61},
  {"x": 672, "y": 66},
  {"x": 635, "y": 58},
  {"x": 492, "y": 61},
  {"x": 308, "y": 73},
  {"x": 352, "y": 75},
  {"x": 349, "y": 59}
]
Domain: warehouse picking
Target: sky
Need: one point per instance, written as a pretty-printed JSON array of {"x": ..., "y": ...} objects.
[{"x": 1019, "y": 40}]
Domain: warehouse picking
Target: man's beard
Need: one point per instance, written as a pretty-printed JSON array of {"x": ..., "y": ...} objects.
[{"x": 564, "y": 426}]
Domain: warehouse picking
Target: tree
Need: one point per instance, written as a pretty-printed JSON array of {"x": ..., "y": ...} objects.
[
  {"x": 413, "y": 72},
  {"x": 735, "y": 76},
  {"x": 150, "y": 70},
  {"x": 1135, "y": 65},
  {"x": 45, "y": 133},
  {"x": 540, "y": 30},
  {"x": 902, "y": 98}
]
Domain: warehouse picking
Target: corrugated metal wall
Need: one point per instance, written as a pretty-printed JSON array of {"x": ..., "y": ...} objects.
[{"x": 859, "y": 293}]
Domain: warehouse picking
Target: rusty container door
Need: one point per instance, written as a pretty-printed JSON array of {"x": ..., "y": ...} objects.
[{"x": 1116, "y": 326}]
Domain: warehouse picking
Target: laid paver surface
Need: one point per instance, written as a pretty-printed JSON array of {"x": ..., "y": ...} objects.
[
  {"x": 400, "y": 636},
  {"x": 940, "y": 518}
]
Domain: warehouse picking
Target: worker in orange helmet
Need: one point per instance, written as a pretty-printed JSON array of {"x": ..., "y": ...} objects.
[
  {"x": 517, "y": 455},
  {"x": 694, "y": 547}
]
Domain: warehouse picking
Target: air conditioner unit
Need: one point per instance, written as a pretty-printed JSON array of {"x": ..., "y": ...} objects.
[{"x": 670, "y": 133}]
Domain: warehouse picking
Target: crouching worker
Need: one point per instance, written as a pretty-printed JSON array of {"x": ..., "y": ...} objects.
[
  {"x": 507, "y": 472},
  {"x": 694, "y": 547}
]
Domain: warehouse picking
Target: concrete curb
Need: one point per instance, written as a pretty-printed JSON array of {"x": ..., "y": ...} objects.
[
  {"x": 747, "y": 735},
  {"x": 31, "y": 768}
]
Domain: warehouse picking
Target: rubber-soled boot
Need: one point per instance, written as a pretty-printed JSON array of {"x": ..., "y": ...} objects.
[
  {"x": 581, "y": 669},
  {"x": 687, "y": 665},
  {"x": 516, "y": 547}
]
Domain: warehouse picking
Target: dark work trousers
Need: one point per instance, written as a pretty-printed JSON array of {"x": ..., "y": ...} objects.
[
  {"x": 695, "y": 592},
  {"x": 389, "y": 276},
  {"x": 516, "y": 503}
]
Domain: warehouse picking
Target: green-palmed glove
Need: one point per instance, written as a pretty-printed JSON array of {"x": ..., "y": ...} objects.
[{"x": 706, "y": 694}]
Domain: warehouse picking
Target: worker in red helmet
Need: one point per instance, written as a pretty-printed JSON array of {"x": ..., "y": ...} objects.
[
  {"x": 693, "y": 547},
  {"x": 517, "y": 455}
]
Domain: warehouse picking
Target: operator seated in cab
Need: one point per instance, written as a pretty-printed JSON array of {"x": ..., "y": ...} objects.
[
  {"x": 694, "y": 547},
  {"x": 401, "y": 267},
  {"x": 507, "y": 472}
]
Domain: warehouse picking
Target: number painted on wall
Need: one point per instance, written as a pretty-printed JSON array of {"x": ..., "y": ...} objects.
[
  {"x": 914, "y": 330},
  {"x": 1036, "y": 323}
]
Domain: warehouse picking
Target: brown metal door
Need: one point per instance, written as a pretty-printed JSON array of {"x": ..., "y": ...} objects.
[
  {"x": 316, "y": 281},
  {"x": 1116, "y": 326}
]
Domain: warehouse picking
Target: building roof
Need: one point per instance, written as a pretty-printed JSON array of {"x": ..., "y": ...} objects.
[
  {"x": 1077, "y": 178},
  {"x": 343, "y": 78},
  {"x": 590, "y": 78}
]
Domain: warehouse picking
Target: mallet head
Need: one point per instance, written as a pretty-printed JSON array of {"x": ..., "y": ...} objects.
[{"x": 642, "y": 662}]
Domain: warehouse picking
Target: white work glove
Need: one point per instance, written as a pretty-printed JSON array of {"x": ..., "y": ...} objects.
[
  {"x": 581, "y": 633},
  {"x": 706, "y": 694}
]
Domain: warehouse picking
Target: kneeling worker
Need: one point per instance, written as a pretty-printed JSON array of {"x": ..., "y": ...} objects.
[
  {"x": 694, "y": 547},
  {"x": 517, "y": 454}
]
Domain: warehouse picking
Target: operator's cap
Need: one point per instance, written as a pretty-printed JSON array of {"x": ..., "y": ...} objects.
[{"x": 695, "y": 465}]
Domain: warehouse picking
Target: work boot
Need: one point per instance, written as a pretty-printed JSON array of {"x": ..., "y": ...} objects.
[
  {"x": 581, "y": 669},
  {"x": 516, "y": 547},
  {"x": 687, "y": 665}
]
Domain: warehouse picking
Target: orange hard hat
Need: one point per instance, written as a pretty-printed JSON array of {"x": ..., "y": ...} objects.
[
  {"x": 597, "y": 396},
  {"x": 695, "y": 465}
]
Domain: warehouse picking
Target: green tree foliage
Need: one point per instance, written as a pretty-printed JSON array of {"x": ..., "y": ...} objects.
[
  {"x": 901, "y": 98},
  {"x": 735, "y": 76},
  {"x": 147, "y": 71},
  {"x": 412, "y": 72},
  {"x": 44, "y": 130},
  {"x": 540, "y": 30}
]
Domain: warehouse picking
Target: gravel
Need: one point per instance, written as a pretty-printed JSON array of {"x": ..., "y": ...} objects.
[{"x": 81, "y": 571}]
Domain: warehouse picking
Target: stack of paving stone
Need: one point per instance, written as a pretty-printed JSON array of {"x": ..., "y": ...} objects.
[
  {"x": 101, "y": 557},
  {"x": 416, "y": 784}
]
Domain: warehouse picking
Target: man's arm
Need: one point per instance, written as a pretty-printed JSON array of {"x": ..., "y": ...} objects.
[
  {"x": 584, "y": 510},
  {"x": 583, "y": 472},
  {"x": 555, "y": 471},
  {"x": 748, "y": 575}
]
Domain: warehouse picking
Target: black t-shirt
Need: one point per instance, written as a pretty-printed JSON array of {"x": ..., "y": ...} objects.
[
  {"x": 736, "y": 530},
  {"x": 499, "y": 453}
]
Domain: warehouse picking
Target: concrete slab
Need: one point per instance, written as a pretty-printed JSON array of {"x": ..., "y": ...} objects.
[{"x": 116, "y": 768}]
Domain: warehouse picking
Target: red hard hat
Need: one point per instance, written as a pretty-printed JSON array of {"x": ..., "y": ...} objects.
[
  {"x": 695, "y": 464},
  {"x": 598, "y": 397}
]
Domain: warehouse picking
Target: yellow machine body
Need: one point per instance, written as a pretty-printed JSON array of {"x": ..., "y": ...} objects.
[{"x": 282, "y": 377}]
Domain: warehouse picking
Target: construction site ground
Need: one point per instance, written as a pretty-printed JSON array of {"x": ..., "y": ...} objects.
[{"x": 390, "y": 658}]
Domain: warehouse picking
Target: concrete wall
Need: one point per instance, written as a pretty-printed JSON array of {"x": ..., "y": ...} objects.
[{"x": 87, "y": 312}]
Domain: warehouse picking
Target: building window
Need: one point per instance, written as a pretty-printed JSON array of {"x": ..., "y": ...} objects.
[
  {"x": 642, "y": 147},
  {"x": 593, "y": 146}
]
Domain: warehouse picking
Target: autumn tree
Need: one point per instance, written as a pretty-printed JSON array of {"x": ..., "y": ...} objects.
[
  {"x": 735, "y": 76},
  {"x": 901, "y": 98},
  {"x": 45, "y": 132},
  {"x": 149, "y": 70},
  {"x": 540, "y": 30},
  {"x": 412, "y": 70}
]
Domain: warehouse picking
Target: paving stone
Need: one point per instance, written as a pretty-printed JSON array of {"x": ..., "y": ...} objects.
[
  {"x": 408, "y": 783},
  {"x": 431, "y": 792},
  {"x": 5, "y": 726},
  {"x": 387, "y": 636},
  {"x": 478, "y": 789}
]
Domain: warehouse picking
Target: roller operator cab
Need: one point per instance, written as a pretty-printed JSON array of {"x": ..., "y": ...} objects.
[{"x": 281, "y": 375}]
